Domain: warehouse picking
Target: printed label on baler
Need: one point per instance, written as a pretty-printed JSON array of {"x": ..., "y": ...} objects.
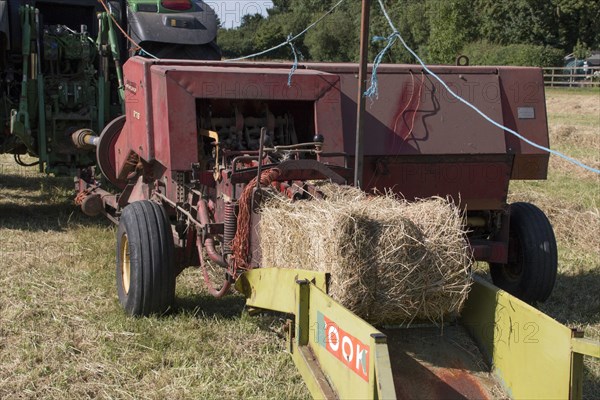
[
  {"x": 131, "y": 86},
  {"x": 349, "y": 350}
]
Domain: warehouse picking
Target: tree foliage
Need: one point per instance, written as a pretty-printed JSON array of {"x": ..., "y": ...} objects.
[
  {"x": 451, "y": 26},
  {"x": 334, "y": 40},
  {"x": 525, "y": 32},
  {"x": 485, "y": 53},
  {"x": 517, "y": 22}
]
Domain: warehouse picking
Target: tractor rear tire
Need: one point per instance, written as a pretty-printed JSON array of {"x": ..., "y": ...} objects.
[
  {"x": 531, "y": 271},
  {"x": 145, "y": 261}
]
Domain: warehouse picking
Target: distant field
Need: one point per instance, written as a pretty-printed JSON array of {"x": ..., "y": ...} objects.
[{"x": 63, "y": 335}]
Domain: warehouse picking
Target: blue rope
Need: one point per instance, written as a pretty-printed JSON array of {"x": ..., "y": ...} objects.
[
  {"x": 295, "y": 65},
  {"x": 143, "y": 52},
  {"x": 374, "y": 89}
]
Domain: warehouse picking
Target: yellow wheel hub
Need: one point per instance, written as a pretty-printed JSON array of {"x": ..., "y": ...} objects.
[{"x": 125, "y": 264}]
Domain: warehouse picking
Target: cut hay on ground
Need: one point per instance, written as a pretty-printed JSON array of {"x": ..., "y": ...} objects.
[{"x": 391, "y": 261}]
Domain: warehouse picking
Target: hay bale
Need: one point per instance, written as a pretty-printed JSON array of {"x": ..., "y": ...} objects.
[{"x": 390, "y": 261}]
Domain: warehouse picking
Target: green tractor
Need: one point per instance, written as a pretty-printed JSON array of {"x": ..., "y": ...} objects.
[{"x": 60, "y": 67}]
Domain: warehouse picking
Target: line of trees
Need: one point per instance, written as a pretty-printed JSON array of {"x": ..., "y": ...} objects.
[{"x": 517, "y": 32}]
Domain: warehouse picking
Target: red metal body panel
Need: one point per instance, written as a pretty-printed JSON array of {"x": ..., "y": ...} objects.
[
  {"x": 414, "y": 114},
  {"x": 524, "y": 87},
  {"x": 474, "y": 182},
  {"x": 175, "y": 87},
  {"x": 419, "y": 140},
  {"x": 422, "y": 142}
]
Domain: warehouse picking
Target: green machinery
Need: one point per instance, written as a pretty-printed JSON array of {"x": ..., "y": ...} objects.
[
  {"x": 61, "y": 68},
  {"x": 67, "y": 95}
]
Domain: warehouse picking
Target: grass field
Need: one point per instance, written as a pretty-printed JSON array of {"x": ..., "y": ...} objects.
[
  {"x": 571, "y": 198},
  {"x": 63, "y": 335}
]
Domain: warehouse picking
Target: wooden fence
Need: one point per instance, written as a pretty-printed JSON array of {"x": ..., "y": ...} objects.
[{"x": 572, "y": 77}]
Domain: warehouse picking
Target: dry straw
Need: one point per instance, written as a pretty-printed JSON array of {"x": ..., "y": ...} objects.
[{"x": 391, "y": 261}]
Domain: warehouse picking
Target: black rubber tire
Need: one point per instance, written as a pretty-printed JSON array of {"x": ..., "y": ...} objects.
[
  {"x": 531, "y": 275},
  {"x": 145, "y": 235}
]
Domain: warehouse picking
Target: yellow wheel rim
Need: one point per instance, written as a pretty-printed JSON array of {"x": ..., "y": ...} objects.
[{"x": 125, "y": 264}]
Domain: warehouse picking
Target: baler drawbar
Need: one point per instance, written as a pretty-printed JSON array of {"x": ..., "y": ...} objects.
[{"x": 501, "y": 347}]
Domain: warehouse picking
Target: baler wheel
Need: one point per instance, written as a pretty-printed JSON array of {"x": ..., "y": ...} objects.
[
  {"x": 531, "y": 271},
  {"x": 145, "y": 269}
]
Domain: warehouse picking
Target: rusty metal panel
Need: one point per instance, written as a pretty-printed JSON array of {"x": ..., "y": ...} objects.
[
  {"x": 138, "y": 107},
  {"x": 227, "y": 82},
  {"x": 161, "y": 107},
  {"x": 178, "y": 132},
  {"x": 477, "y": 182},
  {"x": 524, "y": 109},
  {"x": 426, "y": 120},
  {"x": 186, "y": 83},
  {"x": 518, "y": 87},
  {"x": 414, "y": 114},
  {"x": 431, "y": 363},
  {"x": 415, "y": 135},
  {"x": 350, "y": 68},
  {"x": 133, "y": 133},
  {"x": 513, "y": 96}
]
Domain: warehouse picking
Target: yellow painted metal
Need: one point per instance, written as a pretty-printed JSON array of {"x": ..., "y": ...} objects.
[
  {"x": 529, "y": 352},
  {"x": 586, "y": 347},
  {"x": 580, "y": 347},
  {"x": 213, "y": 135},
  {"x": 275, "y": 288},
  {"x": 302, "y": 323},
  {"x": 576, "y": 390},
  {"x": 125, "y": 264},
  {"x": 311, "y": 373},
  {"x": 327, "y": 375},
  {"x": 340, "y": 355},
  {"x": 384, "y": 380},
  {"x": 354, "y": 338}
]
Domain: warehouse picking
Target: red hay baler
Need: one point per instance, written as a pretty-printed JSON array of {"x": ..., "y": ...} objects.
[{"x": 200, "y": 141}]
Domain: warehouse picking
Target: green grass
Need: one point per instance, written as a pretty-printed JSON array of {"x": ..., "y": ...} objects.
[
  {"x": 63, "y": 334},
  {"x": 561, "y": 188},
  {"x": 567, "y": 90},
  {"x": 581, "y": 120}
]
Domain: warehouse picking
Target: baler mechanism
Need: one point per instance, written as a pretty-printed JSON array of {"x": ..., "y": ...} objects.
[{"x": 202, "y": 144}]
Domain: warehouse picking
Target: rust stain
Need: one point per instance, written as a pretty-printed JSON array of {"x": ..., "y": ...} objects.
[
  {"x": 427, "y": 365},
  {"x": 405, "y": 100},
  {"x": 461, "y": 381},
  {"x": 403, "y": 123}
]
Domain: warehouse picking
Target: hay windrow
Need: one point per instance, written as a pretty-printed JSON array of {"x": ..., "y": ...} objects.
[{"x": 390, "y": 261}]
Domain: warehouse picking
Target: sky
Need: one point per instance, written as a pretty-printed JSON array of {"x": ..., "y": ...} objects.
[{"x": 231, "y": 11}]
